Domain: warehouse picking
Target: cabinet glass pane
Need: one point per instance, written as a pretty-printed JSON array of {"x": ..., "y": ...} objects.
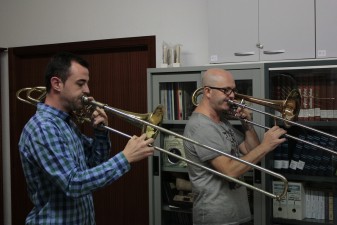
[
  {"x": 177, "y": 99},
  {"x": 165, "y": 210},
  {"x": 310, "y": 170},
  {"x": 177, "y": 198},
  {"x": 245, "y": 86},
  {"x": 317, "y": 88}
]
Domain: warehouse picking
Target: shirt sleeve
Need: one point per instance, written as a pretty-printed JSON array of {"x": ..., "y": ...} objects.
[
  {"x": 212, "y": 137},
  {"x": 97, "y": 149},
  {"x": 60, "y": 160}
]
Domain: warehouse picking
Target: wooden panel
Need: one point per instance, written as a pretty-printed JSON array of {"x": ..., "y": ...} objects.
[
  {"x": 1, "y": 163},
  {"x": 118, "y": 78}
]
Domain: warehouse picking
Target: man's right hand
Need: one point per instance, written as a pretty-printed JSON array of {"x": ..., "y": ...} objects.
[
  {"x": 272, "y": 138},
  {"x": 138, "y": 148}
]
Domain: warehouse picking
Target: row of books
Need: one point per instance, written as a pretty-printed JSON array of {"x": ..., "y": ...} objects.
[
  {"x": 177, "y": 99},
  {"x": 318, "y": 97},
  {"x": 306, "y": 159},
  {"x": 179, "y": 218},
  {"x": 175, "y": 198},
  {"x": 301, "y": 202},
  {"x": 321, "y": 204}
]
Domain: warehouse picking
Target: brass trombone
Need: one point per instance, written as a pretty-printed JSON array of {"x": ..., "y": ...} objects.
[
  {"x": 150, "y": 123},
  {"x": 289, "y": 109}
]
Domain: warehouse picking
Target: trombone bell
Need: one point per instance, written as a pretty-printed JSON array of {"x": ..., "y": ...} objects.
[
  {"x": 154, "y": 118},
  {"x": 34, "y": 95},
  {"x": 289, "y": 108}
]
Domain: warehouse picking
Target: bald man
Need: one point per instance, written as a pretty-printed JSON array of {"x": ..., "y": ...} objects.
[{"x": 218, "y": 201}]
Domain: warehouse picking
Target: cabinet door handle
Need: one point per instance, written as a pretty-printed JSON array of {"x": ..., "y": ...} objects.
[
  {"x": 274, "y": 52},
  {"x": 244, "y": 53}
]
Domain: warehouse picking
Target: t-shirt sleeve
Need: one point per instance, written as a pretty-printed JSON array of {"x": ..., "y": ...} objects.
[{"x": 211, "y": 136}]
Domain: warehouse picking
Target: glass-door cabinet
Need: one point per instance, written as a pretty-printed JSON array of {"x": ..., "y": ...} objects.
[
  {"x": 170, "y": 198},
  {"x": 309, "y": 167}
]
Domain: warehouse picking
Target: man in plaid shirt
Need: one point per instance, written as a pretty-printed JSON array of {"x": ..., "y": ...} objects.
[{"x": 62, "y": 166}]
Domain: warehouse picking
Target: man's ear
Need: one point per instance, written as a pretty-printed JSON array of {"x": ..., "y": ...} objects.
[
  {"x": 207, "y": 91},
  {"x": 56, "y": 83}
]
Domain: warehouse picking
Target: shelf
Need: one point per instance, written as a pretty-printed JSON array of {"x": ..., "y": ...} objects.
[
  {"x": 183, "y": 122},
  {"x": 174, "y": 169},
  {"x": 301, "y": 222},
  {"x": 176, "y": 209},
  {"x": 327, "y": 124},
  {"x": 297, "y": 177},
  {"x": 331, "y": 123},
  {"x": 174, "y": 122}
]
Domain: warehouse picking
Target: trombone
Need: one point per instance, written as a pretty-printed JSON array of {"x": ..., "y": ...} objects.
[
  {"x": 289, "y": 109},
  {"x": 150, "y": 124}
]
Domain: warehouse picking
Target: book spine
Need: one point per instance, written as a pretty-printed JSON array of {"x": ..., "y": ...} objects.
[
  {"x": 285, "y": 157},
  {"x": 317, "y": 103},
  {"x": 334, "y": 210},
  {"x": 311, "y": 100},
  {"x": 331, "y": 97},
  {"x": 179, "y": 101},
  {"x": 277, "y": 159},
  {"x": 305, "y": 105},
  {"x": 163, "y": 98},
  {"x": 323, "y": 98}
]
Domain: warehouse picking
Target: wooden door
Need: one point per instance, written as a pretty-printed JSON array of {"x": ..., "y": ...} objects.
[
  {"x": 1, "y": 164},
  {"x": 117, "y": 78}
]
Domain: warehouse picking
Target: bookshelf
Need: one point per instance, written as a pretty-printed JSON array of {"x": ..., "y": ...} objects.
[
  {"x": 174, "y": 90},
  {"x": 312, "y": 168},
  {"x": 164, "y": 86},
  {"x": 261, "y": 80}
]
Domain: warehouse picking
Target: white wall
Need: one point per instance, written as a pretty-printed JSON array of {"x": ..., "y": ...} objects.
[{"x": 37, "y": 22}]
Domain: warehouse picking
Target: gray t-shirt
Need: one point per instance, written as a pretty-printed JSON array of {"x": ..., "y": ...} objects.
[{"x": 214, "y": 202}]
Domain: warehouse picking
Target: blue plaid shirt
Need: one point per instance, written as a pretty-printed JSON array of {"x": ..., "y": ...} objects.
[{"x": 62, "y": 167}]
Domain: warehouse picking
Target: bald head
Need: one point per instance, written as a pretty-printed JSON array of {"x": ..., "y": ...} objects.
[{"x": 215, "y": 76}]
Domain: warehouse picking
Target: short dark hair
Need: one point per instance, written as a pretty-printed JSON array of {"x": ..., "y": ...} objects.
[{"x": 59, "y": 66}]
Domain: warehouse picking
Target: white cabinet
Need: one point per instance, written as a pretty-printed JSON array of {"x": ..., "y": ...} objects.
[
  {"x": 233, "y": 30},
  {"x": 326, "y": 29},
  {"x": 287, "y": 29},
  {"x": 253, "y": 30}
]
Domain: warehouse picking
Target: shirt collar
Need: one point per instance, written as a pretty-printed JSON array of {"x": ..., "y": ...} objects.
[{"x": 47, "y": 109}]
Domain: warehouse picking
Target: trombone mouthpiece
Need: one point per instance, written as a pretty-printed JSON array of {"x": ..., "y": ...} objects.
[
  {"x": 231, "y": 103},
  {"x": 85, "y": 99}
]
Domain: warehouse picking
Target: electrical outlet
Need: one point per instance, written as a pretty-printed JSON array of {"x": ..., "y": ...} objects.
[
  {"x": 214, "y": 58},
  {"x": 321, "y": 53}
]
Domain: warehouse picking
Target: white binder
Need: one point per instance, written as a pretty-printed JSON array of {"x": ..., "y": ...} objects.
[
  {"x": 279, "y": 207},
  {"x": 296, "y": 201}
]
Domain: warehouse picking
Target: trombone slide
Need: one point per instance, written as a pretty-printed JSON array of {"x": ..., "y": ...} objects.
[{"x": 153, "y": 121}]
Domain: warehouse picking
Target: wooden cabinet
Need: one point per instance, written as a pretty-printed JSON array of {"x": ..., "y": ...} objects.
[
  {"x": 1, "y": 163},
  {"x": 241, "y": 31}
]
